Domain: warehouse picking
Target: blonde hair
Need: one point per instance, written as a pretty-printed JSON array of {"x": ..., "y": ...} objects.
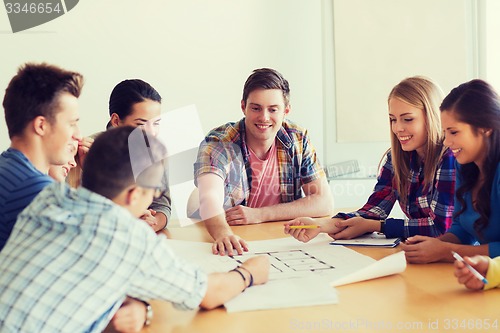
[{"x": 424, "y": 94}]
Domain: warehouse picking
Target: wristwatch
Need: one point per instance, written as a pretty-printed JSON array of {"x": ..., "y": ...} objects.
[
  {"x": 382, "y": 226},
  {"x": 149, "y": 313}
]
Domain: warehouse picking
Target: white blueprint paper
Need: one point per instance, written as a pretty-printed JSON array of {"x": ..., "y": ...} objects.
[
  {"x": 393, "y": 264},
  {"x": 300, "y": 273}
]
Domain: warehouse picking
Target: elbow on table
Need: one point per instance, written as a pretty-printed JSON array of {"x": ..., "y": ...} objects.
[{"x": 209, "y": 303}]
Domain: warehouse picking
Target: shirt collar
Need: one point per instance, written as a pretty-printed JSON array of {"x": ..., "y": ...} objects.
[{"x": 282, "y": 136}]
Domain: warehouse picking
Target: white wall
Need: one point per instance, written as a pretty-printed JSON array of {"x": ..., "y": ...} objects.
[
  {"x": 375, "y": 48},
  {"x": 492, "y": 44},
  {"x": 369, "y": 46},
  {"x": 192, "y": 51}
]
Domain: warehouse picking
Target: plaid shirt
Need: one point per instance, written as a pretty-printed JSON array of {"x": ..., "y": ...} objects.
[
  {"x": 428, "y": 213},
  {"x": 224, "y": 152},
  {"x": 72, "y": 258}
]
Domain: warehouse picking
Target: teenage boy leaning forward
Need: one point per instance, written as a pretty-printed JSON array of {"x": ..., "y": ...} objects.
[
  {"x": 74, "y": 254},
  {"x": 257, "y": 169}
]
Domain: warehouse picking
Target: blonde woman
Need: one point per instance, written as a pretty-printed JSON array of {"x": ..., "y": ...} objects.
[{"x": 418, "y": 171}]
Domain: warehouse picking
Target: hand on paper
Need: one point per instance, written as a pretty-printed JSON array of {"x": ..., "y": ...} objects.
[
  {"x": 130, "y": 317},
  {"x": 464, "y": 275},
  {"x": 303, "y": 235},
  {"x": 241, "y": 215},
  {"x": 423, "y": 250},
  {"x": 259, "y": 267},
  {"x": 354, "y": 227},
  {"x": 230, "y": 244}
]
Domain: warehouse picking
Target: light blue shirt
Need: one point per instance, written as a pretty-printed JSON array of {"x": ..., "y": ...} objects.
[
  {"x": 74, "y": 255},
  {"x": 463, "y": 225}
]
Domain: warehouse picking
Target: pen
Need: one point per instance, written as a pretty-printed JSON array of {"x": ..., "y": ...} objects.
[
  {"x": 311, "y": 226},
  {"x": 469, "y": 267}
]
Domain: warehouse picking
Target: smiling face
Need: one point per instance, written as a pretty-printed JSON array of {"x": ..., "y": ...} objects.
[
  {"x": 467, "y": 143},
  {"x": 408, "y": 125},
  {"x": 63, "y": 131},
  {"x": 60, "y": 172},
  {"x": 146, "y": 113},
  {"x": 264, "y": 112}
]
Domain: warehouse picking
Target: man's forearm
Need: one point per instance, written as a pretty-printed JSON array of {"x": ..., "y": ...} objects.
[
  {"x": 314, "y": 205},
  {"x": 217, "y": 226}
]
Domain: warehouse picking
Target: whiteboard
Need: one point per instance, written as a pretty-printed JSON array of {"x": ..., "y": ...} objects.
[{"x": 379, "y": 43}]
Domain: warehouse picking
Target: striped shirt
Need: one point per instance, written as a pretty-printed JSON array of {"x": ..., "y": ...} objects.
[
  {"x": 20, "y": 182},
  {"x": 74, "y": 255},
  {"x": 428, "y": 211},
  {"x": 224, "y": 152}
]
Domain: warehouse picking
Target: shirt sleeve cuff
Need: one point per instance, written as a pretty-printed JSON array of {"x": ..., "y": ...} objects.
[
  {"x": 494, "y": 249},
  {"x": 493, "y": 274},
  {"x": 394, "y": 228},
  {"x": 344, "y": 216}
]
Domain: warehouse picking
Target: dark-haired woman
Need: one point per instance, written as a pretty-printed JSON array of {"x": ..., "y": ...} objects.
[
  {"x": 470, "y": 117},
  {"x": 135, "y": 103}
]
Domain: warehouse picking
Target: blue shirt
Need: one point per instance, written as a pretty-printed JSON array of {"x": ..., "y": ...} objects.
[
  {"x": 74, "y": 255},
  {"x": 463, "y": 225},
  {"x": 20, "y": 182}
]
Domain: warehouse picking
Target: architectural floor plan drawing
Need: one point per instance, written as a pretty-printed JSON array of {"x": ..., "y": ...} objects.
[
  {"x": 307, "y": 269},
  {"x": 286, "y": 264},
  {"x": 288, "y": 257}
]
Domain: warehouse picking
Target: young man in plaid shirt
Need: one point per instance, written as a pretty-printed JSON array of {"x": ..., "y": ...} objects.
[{"x": 258, "y": 169}]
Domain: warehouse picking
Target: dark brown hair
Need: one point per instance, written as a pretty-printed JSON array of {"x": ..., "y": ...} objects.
[
  {"x": 476, "y": 103},
  {"x": 266, "y": 78},
  {"x": 35, "y": 91}
]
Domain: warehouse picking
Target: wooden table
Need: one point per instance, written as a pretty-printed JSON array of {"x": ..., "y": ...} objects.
[{"x": 425, "y": 298}]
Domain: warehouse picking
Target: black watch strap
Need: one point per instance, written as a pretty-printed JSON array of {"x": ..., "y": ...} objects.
[{"x": 382, "y": 226}]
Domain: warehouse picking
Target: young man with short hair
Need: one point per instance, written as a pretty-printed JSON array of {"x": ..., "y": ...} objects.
[
  {"x": 74, "y": 254},
  {"x": 256, "y": 170},
  {"x": 41, "y": 111}
]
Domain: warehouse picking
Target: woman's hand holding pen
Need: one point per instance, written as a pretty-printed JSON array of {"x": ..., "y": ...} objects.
[
  {"x": 466, "y": 277},
  {"x": 303, "y": 228}
]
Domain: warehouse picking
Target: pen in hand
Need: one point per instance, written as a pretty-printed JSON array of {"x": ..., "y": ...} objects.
[
  {"x": 469, "y": 267},
  {"x": 310, "y": 226}
]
